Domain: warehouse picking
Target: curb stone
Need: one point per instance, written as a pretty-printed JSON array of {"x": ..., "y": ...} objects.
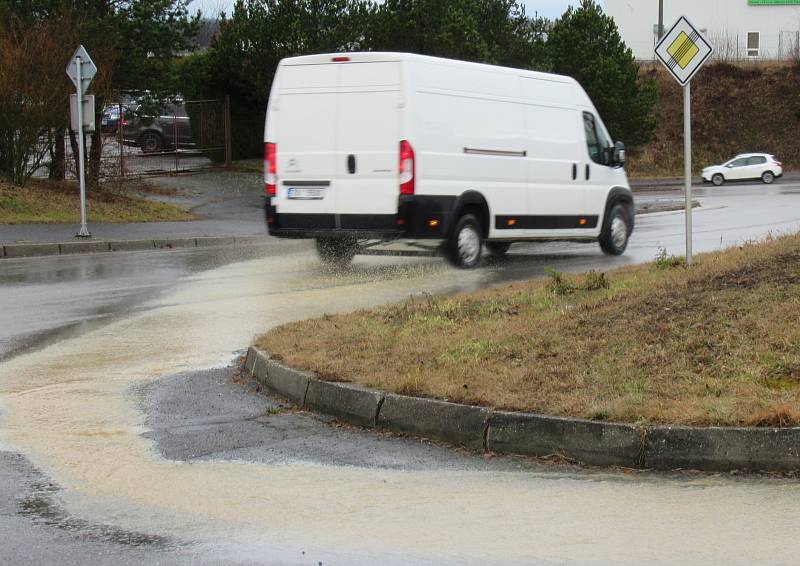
[
  {"x": 589, "y": 442},
  {"x": 83, "y": 247},
  {"x": 720, "y": 449},
  {"x": 131, "y": 245},
  {"x": 284, "y": 381},
  {"x": 98, "y": 246},
  {"x": 606, "y": 444},
  {"x": 29, "y": 250},
  {"x": 351, "y": 403},
  {"x": 175, "y": 243},
  {"x": 463, "y": 425}
]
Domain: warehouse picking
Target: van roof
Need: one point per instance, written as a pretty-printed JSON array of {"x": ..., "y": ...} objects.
[{"x": 376, "y": 56}]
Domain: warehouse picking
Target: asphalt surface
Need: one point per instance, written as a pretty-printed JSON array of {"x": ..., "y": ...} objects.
[
  {"x": 228, "y": 203},
  {"x": 127, "y": 437},
  {"x": 220, "y": 414},
  {"x": 46, "y": 300}
]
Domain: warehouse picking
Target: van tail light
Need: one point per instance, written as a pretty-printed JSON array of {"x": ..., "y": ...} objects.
[
  {"x": 270, "y": 168},
  {"x": 406, "y": 168}
]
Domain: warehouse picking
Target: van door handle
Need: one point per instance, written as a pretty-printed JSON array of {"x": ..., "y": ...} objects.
[
  {"x": 587, "y": 172},
  {"x": 351, "y": 163},
  {"x": 574, "y": 171}
]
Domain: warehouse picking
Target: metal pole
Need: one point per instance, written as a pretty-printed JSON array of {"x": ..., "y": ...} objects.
[
  {"x": 660, "y": 19},
  {"x": 120, "y": 122},
  {"x": 687, "y": 166},
  {"x": 226, "y": 120},
  {"x": 175, "y": 135},
  {"x": 84, "y": 231}
]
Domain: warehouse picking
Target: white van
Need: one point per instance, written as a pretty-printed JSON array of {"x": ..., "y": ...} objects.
[{"x": 394, "y": 145}]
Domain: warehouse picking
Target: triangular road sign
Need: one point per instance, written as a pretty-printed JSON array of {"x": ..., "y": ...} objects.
[{"x": 88, "y": 68}]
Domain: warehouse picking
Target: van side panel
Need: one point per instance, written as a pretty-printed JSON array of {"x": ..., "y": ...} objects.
[
  {"x": 470, "y": 135},
  {"x": 552, "y": 127}
]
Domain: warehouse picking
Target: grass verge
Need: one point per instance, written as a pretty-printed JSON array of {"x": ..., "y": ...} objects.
[
  {"x": 715, "y": 345},
  {"x": 59, "y": 202}
]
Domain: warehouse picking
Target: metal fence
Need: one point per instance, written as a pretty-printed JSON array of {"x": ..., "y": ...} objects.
[{"x": 181, "y": 136}]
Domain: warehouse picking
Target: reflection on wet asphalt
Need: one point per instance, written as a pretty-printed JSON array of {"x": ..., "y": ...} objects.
[
  {"x": 51, "y": 298},
  {"x": 104, "y": 414}
]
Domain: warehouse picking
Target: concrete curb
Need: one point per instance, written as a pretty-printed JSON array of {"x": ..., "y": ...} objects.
[
  {"x": 97, "y": 246},
  {"x": 351, "y": 403},
  {"x": 463, "y": 425},
  {"x": 589, "y": 442},
  {"x": 594, "y": 442}
]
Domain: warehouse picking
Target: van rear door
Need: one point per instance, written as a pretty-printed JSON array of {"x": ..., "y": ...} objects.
[
  {"x": 338, "y": 144},
  {"x": 368, "y": 143},
  {"x": 307, "y": 141}
]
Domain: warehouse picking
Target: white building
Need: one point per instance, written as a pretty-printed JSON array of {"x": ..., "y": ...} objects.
[{"x": 738, "y": 29}]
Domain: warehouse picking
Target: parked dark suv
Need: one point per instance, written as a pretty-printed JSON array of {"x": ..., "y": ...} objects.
[{"x": 158, "y": 129}]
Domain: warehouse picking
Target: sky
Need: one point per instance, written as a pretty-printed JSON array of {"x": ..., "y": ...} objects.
[{"x": 550, "y": 9}]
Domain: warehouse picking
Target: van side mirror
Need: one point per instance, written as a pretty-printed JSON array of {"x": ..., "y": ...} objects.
[{"x": 619, "y": 154}]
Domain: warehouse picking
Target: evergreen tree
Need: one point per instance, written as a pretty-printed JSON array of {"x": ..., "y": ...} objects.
[
  {"x": 258, "y": 34},
  {"x": 487, "y": 31},
  {"x": 585, "y": 44}
]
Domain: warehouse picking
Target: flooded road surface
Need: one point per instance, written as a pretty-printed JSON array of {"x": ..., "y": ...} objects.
[{"x": 70, "y": 409}]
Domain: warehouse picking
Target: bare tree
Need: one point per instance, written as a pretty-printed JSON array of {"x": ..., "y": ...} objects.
[{"x": 33, "y": 94}]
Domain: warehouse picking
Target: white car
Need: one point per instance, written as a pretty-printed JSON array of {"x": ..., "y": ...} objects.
[{"x": 744, "y": 166}]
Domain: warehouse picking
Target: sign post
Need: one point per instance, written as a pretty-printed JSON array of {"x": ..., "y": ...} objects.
[
  {"x": 81, "y": 69},
  {"x": 683, "y": 50}
]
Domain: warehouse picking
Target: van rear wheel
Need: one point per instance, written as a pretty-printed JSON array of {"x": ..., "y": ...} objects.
[
  {"x": 498, "y": 249},
  {"x": 465, "y": 243},
  {"x": 336, "y": 252},
  {"x": 616, "y": 230}
]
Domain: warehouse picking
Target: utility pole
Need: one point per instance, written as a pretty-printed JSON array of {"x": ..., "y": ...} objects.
[{"x": 660, "y": 19}]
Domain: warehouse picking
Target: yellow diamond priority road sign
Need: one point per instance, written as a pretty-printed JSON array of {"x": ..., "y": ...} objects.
[{"x": 683, "y": 50}]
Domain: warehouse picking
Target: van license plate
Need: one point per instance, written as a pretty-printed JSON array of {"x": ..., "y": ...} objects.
[{"x": 305, "y": 193}]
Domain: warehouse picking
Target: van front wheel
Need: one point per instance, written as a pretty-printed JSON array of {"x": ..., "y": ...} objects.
[
  {"x": 336, "y": 252},
  {"x": 616, "y": 230},
  {"x": 465, "y": 243}
]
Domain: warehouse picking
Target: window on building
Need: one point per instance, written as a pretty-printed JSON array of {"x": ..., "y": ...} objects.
[{"x": 753, "y": 43}]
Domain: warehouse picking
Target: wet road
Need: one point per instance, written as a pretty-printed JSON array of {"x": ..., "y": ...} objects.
[{"x": 108, "y": 391}]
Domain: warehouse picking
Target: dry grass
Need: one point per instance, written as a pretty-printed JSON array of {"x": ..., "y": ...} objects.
[
  {"x": 55, "y": 202},
  {"x": 718, "y": 344}
]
